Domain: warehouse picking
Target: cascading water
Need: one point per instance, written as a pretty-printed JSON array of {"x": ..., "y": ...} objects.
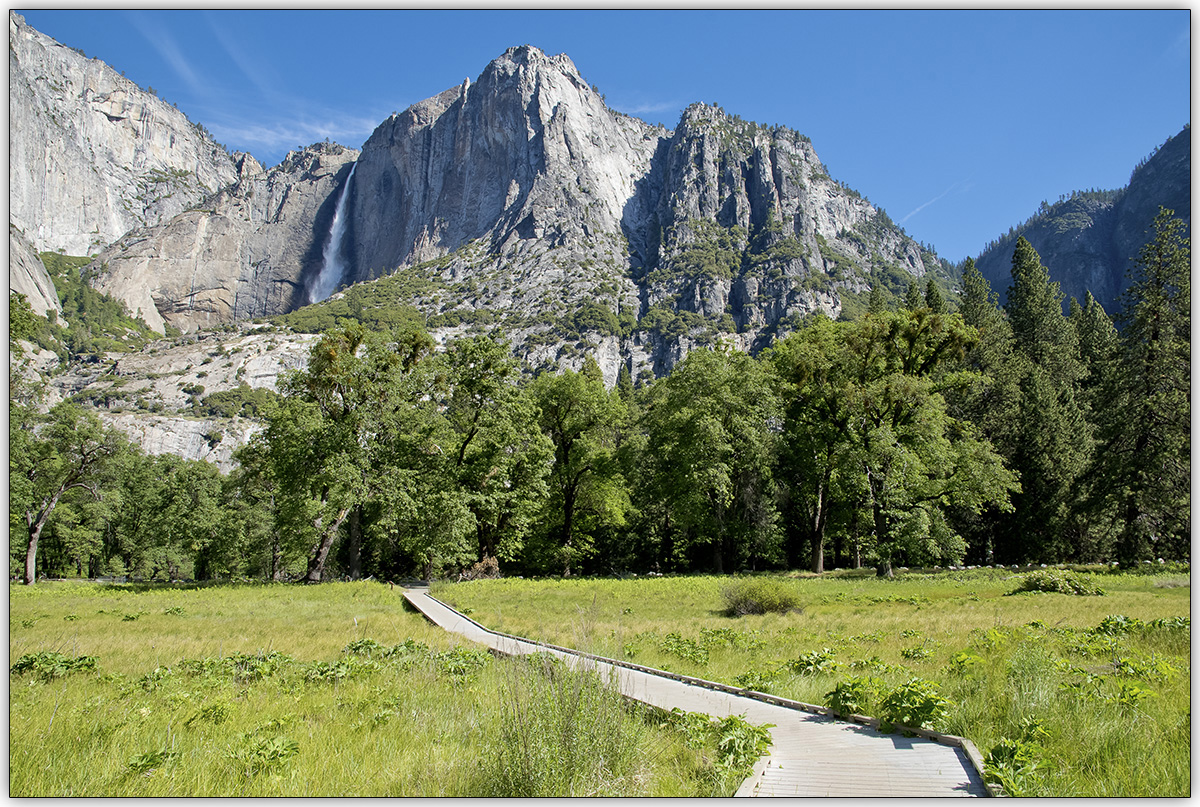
[{"x": 333, "y": 268}]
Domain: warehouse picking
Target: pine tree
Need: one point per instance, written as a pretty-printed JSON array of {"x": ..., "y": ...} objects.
[
  {"x": 876, "y": 304},
  {"x": 991, "y": 402},
  {"x": 1144, "y": 469},
  {"x": 1049, "y": 441},
  {"x": 1097, "y": 338},
  {"x": 912, "y": 297},
  {"x": 933, "y": 297}
]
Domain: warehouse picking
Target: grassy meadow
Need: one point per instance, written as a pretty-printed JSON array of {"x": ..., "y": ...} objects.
[
  {"x": 330, "y": 690},
  {"x": 1067, "y": 695}
]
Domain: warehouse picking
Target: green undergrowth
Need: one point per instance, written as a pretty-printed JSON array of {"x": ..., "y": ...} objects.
[
  {"x": 331, "y": 690},
  {"x": 1066, "y": 695}
]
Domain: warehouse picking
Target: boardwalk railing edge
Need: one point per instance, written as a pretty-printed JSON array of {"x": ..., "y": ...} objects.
[{"x": 968, "y": 747}]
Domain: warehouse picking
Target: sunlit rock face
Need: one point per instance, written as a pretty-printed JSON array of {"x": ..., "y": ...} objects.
[
  {"x": 251, "y": 252},
  {"x": 523, "y": 199},
  {"x": 93, "y": 155}
]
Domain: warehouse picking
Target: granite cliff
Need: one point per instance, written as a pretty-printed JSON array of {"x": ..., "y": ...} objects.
[
  {"x": 247, "y": 252},
  {"x": 93, "y": 155}
]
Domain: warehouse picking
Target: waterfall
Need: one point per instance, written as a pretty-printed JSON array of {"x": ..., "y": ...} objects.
[{"x": 333, "y": 268}]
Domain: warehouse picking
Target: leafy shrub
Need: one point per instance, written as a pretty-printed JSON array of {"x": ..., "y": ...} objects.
[
  {"x": 407, "y": 651},
  {"x": 240, "y": 667},
  {"x": 687, "y": 649},
  {"x": 215, "y": 713},
  {"x": 917, "y": 653},
  {"x": 757, "y": 680},
  {"x": 1059, "y": 581},
  {"x": 854, "y": 696},
  {"x": 1170, "y": 623},
  {"x": 48, "y": 664},
  {"x": 759, "y": 595},
  {"x": 813, "y": 662},
  {"x": 1117, "y": 625},
  {"x": 873, "y": 664},
  {"x": 258, "y": 754},
  {"x": 461, "y": 663},
  {"x": 962, "y": 663},
  {"x": 1130, "y": 695},
  {"x": 738, "y": 743},
  {"x": 1151, "y": 669},
  {"x": 243, "y": 400},
  {"x": 1010, "y": 764},
  {"x": 915, "y": 703},
  {"x": 339, "y": 670}
]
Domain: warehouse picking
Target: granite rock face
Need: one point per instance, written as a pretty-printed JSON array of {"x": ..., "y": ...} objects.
[
  {"x": 94, "y": 155},
  {"x": 249, "y": 252},
  {"x": 523, "y": 195},
  {"x": 27, "y": 275},
  {"x": 149, "y": 394},
  {"x": 526, "y": 191}
]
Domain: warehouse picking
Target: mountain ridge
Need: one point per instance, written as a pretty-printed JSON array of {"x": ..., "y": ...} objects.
[{"x": 1089, "y": 238}]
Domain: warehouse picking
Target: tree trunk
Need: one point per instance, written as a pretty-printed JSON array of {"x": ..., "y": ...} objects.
[
  {"x": 856, "y": 545},
  {"x": 316, "y": 563},
  {"x": 884, "y": 569},
  {"x": 35, "y": 522},
  {"x": 568, "y": 528},
  {"x": 276, "y": 550},
  {"x": 820, "y": 517},
  {"x": 276, "y": 557},
  {"x": 356, "y": 543}
]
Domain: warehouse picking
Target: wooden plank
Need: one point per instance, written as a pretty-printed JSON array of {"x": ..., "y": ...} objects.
[{"x": 812, "y": 753}]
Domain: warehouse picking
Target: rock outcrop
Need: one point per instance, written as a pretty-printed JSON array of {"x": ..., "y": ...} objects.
[
  {"x": 1089, "y": 240},
  {"x": 152, "y": 394},
  {"x": 527, "y": 197},
  {"x": 27, "y": 275},
  {"x": 524, "y": 196},
  {"x": 92, "y": 154},
  {"x": 250, "y": 252}
]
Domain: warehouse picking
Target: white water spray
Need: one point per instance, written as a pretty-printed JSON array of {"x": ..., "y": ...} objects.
[{"x": 333, "y": 268}]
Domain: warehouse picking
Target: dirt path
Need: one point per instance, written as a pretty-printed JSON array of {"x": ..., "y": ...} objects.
[{"x": 811, "y": 754}]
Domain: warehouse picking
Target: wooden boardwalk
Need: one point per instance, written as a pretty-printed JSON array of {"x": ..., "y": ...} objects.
[{"x": 811, "y": 754}]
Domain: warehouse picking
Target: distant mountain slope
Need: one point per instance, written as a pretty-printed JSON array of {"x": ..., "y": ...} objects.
[{"x": 1088, "y": 239}]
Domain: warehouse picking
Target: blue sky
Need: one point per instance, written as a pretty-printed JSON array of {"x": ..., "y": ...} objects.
[{"x": 958, "y": 123}]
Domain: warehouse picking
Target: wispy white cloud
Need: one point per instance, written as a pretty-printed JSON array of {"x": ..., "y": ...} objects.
[
  {"x": 162, "y": 42},
  {"x": 956, "y": 186},
  {"x": 253, "y": 72},
  {"x": 277, "y": 134},
  {"x": 645, "y": 109}
]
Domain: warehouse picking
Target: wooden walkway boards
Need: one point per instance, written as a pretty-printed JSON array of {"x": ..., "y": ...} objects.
[{"x": 811, "y": 754}]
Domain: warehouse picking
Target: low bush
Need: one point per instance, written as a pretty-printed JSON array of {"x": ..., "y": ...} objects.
[
  {"x": 759, "y": 595},
  {"x": 854, "y": 696},
  {"x": 48, "y": 664},
  {"x": 1059, "y": 581},
  {"x": 738, "y": 743},
  {"x": 915, "y": 703}
]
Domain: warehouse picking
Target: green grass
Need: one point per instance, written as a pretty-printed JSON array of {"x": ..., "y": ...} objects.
[
  {"x": 331, "y": 690},
  {"x": 1101, "y": 706}
]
